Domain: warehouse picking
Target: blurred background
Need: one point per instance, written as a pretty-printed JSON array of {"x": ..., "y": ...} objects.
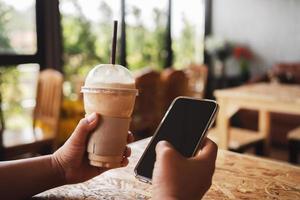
[
  {"x": 83, "y": 36},
  {"x": 172, "y": 47}
]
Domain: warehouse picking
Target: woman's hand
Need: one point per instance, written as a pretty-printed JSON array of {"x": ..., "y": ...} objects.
[
  {"x": 71, "y": 159},
  {"x": 177, "y": 177}
]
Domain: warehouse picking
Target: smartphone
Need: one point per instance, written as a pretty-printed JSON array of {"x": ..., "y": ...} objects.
[{"x": 184, "y": 125}]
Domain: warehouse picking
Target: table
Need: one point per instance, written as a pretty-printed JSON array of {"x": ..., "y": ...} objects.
[
  {"x": 27, "y": 140},
  {"x": 264, "y": 97},
  {"x": 237, "y": 176}
]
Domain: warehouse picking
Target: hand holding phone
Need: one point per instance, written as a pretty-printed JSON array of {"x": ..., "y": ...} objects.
[
  {"x": 180, "y": 177},
  {"x": 184, "y": 125}
]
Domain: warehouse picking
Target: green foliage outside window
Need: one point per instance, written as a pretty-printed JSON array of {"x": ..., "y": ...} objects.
[
  {"x": 184, "y": 46},
  {"x": 11, "y": 99},
  {"x": 79, "y": 44},
  {"x": 10, "y": 93},
  {"x": 17, "y": 28},
  {"x": 146, "y": 47},
  {"x": 87, "y": 43},
  {"x": 5, "y": 12}
]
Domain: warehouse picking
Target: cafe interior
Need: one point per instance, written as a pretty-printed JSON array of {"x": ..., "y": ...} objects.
[{"x": 245, "y": 55}]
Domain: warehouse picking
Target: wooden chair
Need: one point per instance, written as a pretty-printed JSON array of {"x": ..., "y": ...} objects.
[
  {"x": 41, "y": 138},
  {"x": 147, "y": 110},
  {"x": 294, "y": 145},
  {"x": 197, "y": 75},
  {"x": 78, "y": 82},
  {"x": 175, "y": 83}
]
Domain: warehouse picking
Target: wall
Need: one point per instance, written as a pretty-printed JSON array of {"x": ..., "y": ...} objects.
[{"x": 271, "y": 28}]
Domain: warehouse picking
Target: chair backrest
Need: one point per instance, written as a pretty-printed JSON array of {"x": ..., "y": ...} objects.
[
  {"x": 175, "y": 83},
  {"x": 287, "y": 72},
  {"x": 147, "y": 109},
  {"x": 48, "y": 101},
  {"x": 78, "y": 82},
  {"x": 197, "y": 75}
]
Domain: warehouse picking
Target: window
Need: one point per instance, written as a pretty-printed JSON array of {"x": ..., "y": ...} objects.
[
  {"x": 187, "y": 32},
  {"x": 18, "y": 92},
  {"x": 18, "y": 44},
  {"x": 146, "y": 23},
  {"x": 87, "y": 32},
  {"x": 18, "y": 27}
]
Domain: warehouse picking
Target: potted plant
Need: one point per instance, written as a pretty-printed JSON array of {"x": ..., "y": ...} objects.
[{"x": 243, "y": 55}]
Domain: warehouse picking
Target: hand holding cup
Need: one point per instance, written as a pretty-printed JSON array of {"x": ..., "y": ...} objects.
[{"x": 71, "y": 158}]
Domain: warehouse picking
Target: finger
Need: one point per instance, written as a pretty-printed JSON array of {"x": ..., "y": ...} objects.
[
  {"x": 84, "y": 126},
  {"x": 124, "y": 162},
  {"x": 209, "y": 150},
  {"x": 127, "y": 152},
  {"x": 130, "y": 137},
  {"x": 93, "y": 120},
  {"x": 162, "y": 146},
  {"x": 165, "y": 149}
]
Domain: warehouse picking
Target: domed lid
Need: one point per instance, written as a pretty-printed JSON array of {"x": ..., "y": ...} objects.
[{"x": 109, "y": 76}]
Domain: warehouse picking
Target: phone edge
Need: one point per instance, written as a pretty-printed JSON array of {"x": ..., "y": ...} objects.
[{"x": 208, "y": 126}]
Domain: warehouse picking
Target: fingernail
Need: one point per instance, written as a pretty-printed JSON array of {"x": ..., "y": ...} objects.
[{"x": 91, "y": 117}]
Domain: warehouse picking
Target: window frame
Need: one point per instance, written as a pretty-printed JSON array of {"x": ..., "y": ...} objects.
[
  {"x": 49, "y": 51},
  {"x": 14, "y": 59}
]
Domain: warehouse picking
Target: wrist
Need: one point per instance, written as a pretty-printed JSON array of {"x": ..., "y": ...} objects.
[
  {"x": 166, "y": 198},
  {"x": 58, "y": 170}
]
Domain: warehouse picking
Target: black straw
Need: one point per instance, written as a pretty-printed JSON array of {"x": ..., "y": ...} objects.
[{"x": 114, "y": 43}]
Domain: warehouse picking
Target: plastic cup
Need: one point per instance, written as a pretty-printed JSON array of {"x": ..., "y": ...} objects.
[{"x": 110, "y": 91}]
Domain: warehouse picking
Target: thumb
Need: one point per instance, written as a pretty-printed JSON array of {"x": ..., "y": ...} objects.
[
  {"x": 163, "y": 149},
  {"x": 208, "y": 151},
  {"x": 84, "y": 126}
]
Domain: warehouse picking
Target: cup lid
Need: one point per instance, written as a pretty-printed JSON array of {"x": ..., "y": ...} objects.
[
  {"x": 109, "y": 74},
  {"x": 109, "y": 90}
]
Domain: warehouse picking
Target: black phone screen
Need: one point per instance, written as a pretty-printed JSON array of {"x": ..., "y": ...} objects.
[{"x": 183, "y": 126}]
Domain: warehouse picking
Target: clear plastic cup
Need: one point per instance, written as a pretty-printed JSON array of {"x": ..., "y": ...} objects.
[{"x": 110, "y": 91}]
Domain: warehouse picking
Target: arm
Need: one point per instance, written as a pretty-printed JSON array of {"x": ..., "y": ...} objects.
[
  {"x": 24, "y": 178},
  {"x": 69, "y": 164}
]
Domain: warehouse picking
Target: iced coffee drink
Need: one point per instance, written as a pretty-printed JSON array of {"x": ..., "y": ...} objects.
[{"x": 110, "y": 91}]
